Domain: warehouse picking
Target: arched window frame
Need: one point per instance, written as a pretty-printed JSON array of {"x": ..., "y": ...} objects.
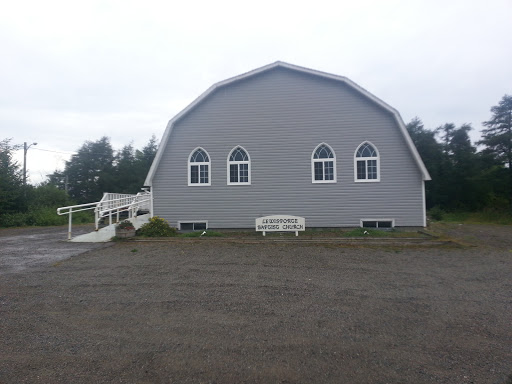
[
  {"x": 323, "y": 161},
  {"x": 238, "y": 167},
  {"x": 367, "y": 165},
  {"x": 199, "y": 165}
]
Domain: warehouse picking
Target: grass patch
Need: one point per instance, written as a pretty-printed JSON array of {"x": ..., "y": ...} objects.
[
  {"x": 368, "y": 232},
  {"x": 199, "y": 234},
  {"x": 484, "y": 217},
  {"x": 312, "y": 233}
]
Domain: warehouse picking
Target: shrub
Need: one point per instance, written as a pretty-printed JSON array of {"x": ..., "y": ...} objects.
[
  {"x": 436, "y": 213},
  {"x": 47, "y": 196},
  {"x": 82, "y": 217},
  {"x": 17, "y": 219},
  {"x": 157, "y": 227},
  {"x": 43, "y": 216}
]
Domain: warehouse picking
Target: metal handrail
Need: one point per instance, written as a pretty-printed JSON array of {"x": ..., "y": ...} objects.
[{"x": 129, "y": 203}]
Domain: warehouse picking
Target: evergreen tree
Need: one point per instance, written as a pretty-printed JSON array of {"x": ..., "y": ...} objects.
[
  {"x": 144, "y": 159},
  {"x": 453, "y": 165},
  {"x": 11, "y": 180},
  {"x": 90, "y": 171},
  {"x": 126, "y": 178},
  {"x": 497, "y": 137},
  {"x": 431, "y": 153},
  {"x": 460, "y": 189},
  {"x": 95, "y": 170}
]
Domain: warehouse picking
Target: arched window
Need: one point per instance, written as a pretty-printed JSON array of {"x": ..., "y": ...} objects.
[
  {"x": 323, "y": 164},
  {"x": 239, "y": 166},
  {"x": 366, "y": 163},
  {"x": 199, "y": 169}
]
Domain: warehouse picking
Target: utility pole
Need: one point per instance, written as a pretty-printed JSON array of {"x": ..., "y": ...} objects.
[{"x": 25, "y": 149}]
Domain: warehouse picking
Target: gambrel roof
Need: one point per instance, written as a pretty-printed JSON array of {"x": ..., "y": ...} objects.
[{"x": 280, "y": 64}]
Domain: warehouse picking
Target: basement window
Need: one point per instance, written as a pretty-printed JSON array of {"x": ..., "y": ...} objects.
[
  {"x": 377, "y": 223},
  {"x": 192, "y": 225}
]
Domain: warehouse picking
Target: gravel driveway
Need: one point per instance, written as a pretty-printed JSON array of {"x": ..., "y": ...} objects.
[
  {"x": 220, "y": 312},
  {"x": 32, "y": 247}
]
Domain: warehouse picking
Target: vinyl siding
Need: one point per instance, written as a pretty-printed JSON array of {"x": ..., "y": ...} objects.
[{"x": 279, "y": 117}]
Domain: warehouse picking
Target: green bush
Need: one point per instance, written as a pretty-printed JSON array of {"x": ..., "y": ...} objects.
[
  {"x": 43, "y": 216},
  {"x": 48, "y": 196},
  {"x": 17, "y": 219},
  {"x": 40, "y": 209},
  {"x": 436, "y": 213},
  {"x": 157, "y": 227},
  {"x": 83, "y": 217}
]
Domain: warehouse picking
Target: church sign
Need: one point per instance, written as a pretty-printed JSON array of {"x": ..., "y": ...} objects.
[{"x": 280, "y": 223}]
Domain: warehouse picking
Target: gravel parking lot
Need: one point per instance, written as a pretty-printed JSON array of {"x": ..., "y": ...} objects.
[{"x": 221, "y": 312}]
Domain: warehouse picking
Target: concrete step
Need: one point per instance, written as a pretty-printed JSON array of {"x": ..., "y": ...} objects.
[{"x": 106, "y": 233}]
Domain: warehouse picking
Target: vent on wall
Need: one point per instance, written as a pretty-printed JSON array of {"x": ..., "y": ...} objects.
[
  {"x": 192, "y": 225},
  {"x": 377, "y": 223}
]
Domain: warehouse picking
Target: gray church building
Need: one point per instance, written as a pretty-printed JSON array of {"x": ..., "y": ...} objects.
[{"x": 288, "y": 140}]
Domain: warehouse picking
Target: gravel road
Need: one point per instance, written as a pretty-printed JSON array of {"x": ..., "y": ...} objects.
[
  {"x": 221, "y": 312},
  {"x": 33, "y": 247}
]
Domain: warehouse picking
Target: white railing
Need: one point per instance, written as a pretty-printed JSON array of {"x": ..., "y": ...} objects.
[{"x": 111, "y": 205}]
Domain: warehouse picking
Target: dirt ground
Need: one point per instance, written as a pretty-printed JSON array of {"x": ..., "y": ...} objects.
[{"x": 219, "y": 312}]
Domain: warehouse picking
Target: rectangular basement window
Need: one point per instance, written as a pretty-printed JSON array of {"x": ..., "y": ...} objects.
[
  {"x": 192, "y": 225},
  {"x": 377, "y": 223}
]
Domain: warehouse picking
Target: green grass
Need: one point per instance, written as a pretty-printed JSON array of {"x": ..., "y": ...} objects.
[
  {"x": 309, "y": 233},
  {"x": 368, "y": 232},
  {"x": 483, "y": 217},
  {"x": 198, "y": 234}
]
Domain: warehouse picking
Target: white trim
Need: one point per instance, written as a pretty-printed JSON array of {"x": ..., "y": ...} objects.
[
  {"x": 191, "y": 222},
  {"x": 377, "y": 220},
  {"x": 313, "y": 161},
  {"x": 229, "y": 182},
  {"x": 366, "y": 168},
  {"x": 342, "y": 79},
  {"x": 423, "y": 199},
  {"x": 208, "y": 163}
]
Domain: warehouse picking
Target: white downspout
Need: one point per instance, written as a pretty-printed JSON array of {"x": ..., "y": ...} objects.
[{"x": 424, "y": 204}]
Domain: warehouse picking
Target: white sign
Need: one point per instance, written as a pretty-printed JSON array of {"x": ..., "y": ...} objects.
[{"x": 280, "y": 223}]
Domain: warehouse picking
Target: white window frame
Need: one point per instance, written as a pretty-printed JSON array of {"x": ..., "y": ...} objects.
[
  {"x": 229, "y": 163},
  {"x": 377, "y": 220},
  {"x": 313, "y": 161},
  {"x": 189, "y": 166},
  {"x": 192, "y": 222},
  {"x": 365, "y": 159}
]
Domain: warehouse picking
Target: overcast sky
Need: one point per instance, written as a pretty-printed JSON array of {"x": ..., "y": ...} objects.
[{"x": 73, "y": 71}]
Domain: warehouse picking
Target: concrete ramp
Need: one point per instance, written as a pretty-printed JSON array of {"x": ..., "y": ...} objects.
[{"x": 106, "y": 233}]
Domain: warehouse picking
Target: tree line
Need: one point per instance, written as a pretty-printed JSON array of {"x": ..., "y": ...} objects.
[
  {"x": 94, "y": 169},
  {"x": 466, "y": 176},
  {"x": 97, "y": 168}
]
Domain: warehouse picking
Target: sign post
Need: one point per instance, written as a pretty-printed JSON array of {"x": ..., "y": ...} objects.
[{"x": 280, "y": 223}]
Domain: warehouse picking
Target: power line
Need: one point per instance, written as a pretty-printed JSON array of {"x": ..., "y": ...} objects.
[
  {"x": 147, "y": 156},
  {"x": 49, "y": 150}
]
